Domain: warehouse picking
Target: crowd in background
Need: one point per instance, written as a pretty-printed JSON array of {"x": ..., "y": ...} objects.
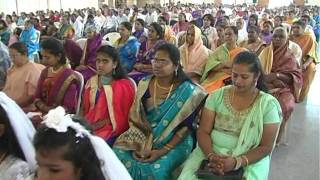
[{"x": 166, "y": 87}]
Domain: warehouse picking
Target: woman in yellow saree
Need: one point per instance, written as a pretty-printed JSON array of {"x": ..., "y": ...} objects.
[
  {"x": 309, "y": 56},
  {"x": 218, "y": 67},
  {"x": 238, "y": 126},
  {"x": 159, "y": 138}
]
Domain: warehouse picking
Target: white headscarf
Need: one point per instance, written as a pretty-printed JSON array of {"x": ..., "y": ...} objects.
[
  {"x": 111, "y": 166},
  {"x": 22, "y": 128}
]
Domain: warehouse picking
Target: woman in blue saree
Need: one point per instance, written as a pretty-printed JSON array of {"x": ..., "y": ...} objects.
[
  {"x": 159, "y": 138},
  {"x": 128, "y": 46},
  {"x": 30, "y": 38}
]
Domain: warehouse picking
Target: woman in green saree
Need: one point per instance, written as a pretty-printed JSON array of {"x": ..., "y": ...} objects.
[
  {"x": 218, "y": 66},
  {"x": 159, "y": 138},
  {"x": 238, "y": 126}
]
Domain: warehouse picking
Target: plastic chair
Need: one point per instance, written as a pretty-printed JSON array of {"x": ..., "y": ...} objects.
[
  {"x": 81, "y": 42},
  {"x": 81, "y": 82},
  {"x": 112, "y": 37}
]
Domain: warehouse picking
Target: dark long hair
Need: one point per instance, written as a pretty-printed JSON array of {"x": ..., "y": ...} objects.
[
  {"x": 8, "y": 141},
  {"x": 78, "y": 150},
  {"x": 159, "y": 30},
  {"x": 252, "y": 60},
  {"x": 55, "y": 47},
  {"x": 113, "y": 53},
  {"x": 174, "y": 55}
]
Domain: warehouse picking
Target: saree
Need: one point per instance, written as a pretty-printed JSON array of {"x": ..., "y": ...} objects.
[
  {"x": 237, "y": 132},
  {"x": 254, "y": 47},
  {"x": 60, "y": 89},
  {"x": 153, "y": 127},
  {"x": 73, "y": 52},
  {"x": 212, "y": 80},
  {"x": 112, "y": 102},
  {"x": 66, "y": 31},
  {"x": 194, "y": 57},
  {"x": 128, "y": 52},
  {"x": 309, "y": 49},
  {"x": 29, "y": 37},
  {"x": 180, "y": 26},
  {"x": 89, "y": 56},
  {"x": 13, "y": 168},
  {"x": 145, "y": 55},
  {"x": 169, "y": 35},
  {"x": 282, "y": 61}
]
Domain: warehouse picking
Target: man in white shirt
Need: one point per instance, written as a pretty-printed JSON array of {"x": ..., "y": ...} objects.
[
  {"x": 151, "y": 16},
  {"x": 111, "y": 24},
  {"x": 121, "y": 17},
  {"x": 99, "y": 19}
]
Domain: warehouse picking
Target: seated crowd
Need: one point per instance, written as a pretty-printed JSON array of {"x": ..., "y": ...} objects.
[{"x": 173, "y": 92}]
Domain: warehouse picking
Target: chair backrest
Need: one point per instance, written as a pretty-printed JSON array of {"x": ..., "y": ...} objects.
[
  {"x": 112, "y": 37},
  {"x": 134, "y": 84},
  {"x": 38, "y": 36},
  {"x": 81, "y": 82},
  {"x": 81, "y": 42}
]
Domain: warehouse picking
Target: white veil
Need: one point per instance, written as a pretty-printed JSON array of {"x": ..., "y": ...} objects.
[
  {"x": 22, "y": 127},
  {"x": 111, "y": 166}
]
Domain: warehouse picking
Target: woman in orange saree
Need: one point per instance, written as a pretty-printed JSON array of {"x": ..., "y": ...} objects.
[
  {"x": 108, "y": 96},
  {"x": 309, "y": 56},
  {"x": 283, "y": 75},
  {"x": 218, "y": 68}
]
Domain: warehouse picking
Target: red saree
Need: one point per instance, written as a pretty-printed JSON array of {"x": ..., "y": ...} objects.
[
  {"x": 97, "y": 103},
  {"x": 60, "y": 89}
]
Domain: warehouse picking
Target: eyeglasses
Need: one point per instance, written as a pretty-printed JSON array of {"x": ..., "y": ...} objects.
[{"x": 161, "y": 62}]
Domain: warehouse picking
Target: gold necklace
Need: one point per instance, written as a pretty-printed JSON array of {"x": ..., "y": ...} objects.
[
  {"x": 251, "y": 102},
  {"x": 159, "y": 86},
  {"x": 155, "y": 92}
]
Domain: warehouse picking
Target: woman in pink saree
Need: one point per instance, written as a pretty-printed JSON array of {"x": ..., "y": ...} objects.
[{"x": 58, "y": 84}]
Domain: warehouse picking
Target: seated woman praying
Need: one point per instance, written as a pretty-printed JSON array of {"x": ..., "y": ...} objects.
[
  {"x": 159, "y": 138},
  {"x": 238, "y": 126},
  {"x": 108, "y": 96},
  {"x": 58, "y": 85}
]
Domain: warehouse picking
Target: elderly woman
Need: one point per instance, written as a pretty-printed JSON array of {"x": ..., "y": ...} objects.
[
  {"x": 238, "y": 127},
  {"x": 87, "y": 65},
  {"x": 309, "y": 56},
  {"x": 283, "y": 76},
  {"x": 194, "y": 55},
  {"x": 22, "y": 77},
  {"x": 181, "y": 25}
]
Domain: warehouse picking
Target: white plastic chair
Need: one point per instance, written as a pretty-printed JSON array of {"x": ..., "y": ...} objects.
[
  {"x": 112, "y": 37},
  {"x": 36, "y": 57},
  {"x": 81, "y": 81},
  {"x": 81, "y": 42},
  {"x": 134, "y": 84}
]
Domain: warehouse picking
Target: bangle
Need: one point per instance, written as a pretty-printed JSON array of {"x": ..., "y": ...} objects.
[
  {"x": 238, "y": 163},
  {"x": 246, "y": 159},
  {"x": 169, "y": 146},
  {"x": 209, "y": 155}
]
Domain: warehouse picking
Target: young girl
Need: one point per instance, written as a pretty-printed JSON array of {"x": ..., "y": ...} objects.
[{"x": 65, "y": 150}]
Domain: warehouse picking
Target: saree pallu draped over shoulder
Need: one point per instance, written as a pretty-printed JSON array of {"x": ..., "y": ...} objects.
[{"x": 152, "y": 128}]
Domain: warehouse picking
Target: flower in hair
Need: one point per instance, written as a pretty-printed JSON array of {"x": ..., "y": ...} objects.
[{"x": 60, "y": 121}]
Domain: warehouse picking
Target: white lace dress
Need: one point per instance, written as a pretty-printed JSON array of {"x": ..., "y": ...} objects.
[{"x": 12, "y": 168}]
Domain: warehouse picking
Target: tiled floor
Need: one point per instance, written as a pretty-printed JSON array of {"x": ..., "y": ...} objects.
[{"x": 300, "y": 159}]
